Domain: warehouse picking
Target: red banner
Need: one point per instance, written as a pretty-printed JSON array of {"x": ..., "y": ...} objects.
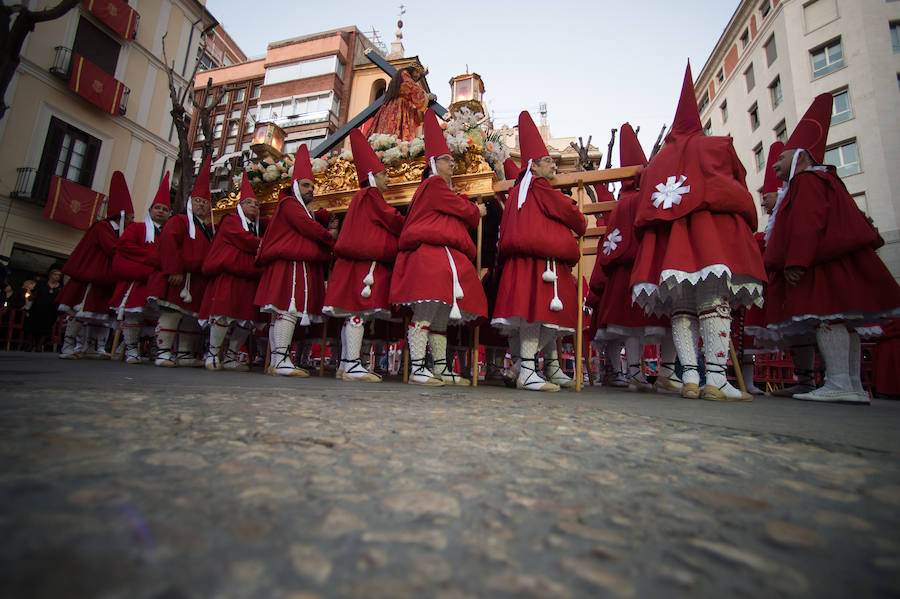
[
  {"x": 116, "y": 14},
  {"x": 95, "y": 85},
  {"x": 72, "y": 204}
]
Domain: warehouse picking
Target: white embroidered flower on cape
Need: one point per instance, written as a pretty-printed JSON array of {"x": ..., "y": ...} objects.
[
  {"x": 669, "y": 193},
  {"x": 612, "y": 242}
]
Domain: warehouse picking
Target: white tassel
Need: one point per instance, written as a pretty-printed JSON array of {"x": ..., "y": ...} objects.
[
  {"x": 149, "y": 230},
  {"x": 120, "y": 313},
  {"x": 186, "y": 290},
  {"x": 121, "y": 223},
  {"x": 368, "y": 281},
  {"x": 549, "y": 276},
  {"x": 192, "y": 230},
  {"x": 292, "y": 308},
  {"x": 555, "y": 304},
  {"x": 458, "y": 294},
  {"x": 304, "y": 319}
]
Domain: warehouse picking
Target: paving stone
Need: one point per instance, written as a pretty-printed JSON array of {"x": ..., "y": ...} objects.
[
  {"x": 310, "y": 563},
  {"x": 841, "y": 520},
  {"x": 721, "y": 500},
  {"x": 182, "y": 459},
  {"x": 781, "y": 577},
  {"x": 422, "y": 503},
  {"x": 528, "y": 585},
  {"x": 889, "y": 494},
  {"x": 590, "y": 572},
  {"x": 787, "y": 534},
  {"x": 339, "y": 522},
  {"x": 433, "y": 539}
]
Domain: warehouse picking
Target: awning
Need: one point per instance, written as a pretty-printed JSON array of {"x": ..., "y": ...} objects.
[{"x": 221, "y": 160}]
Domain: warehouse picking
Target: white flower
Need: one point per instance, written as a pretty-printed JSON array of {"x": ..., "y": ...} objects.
[
  {"x": 270, "y": 176},
  {"x": 318, "y": 166},
  {"x": 612, "y": 242},
  {"x": 669, "y": 193},
  {"x": 391, "y": 155}
]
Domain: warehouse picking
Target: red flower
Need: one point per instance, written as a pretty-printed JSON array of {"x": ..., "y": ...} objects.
[{"x": 720, "y": 355}]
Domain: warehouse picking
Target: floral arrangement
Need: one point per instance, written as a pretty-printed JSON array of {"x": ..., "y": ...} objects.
[
  {"x": 466, "y": 132},
  {"x": 269, "y": 171}
]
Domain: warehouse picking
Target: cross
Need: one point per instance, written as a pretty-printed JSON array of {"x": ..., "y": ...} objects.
[{"x": 336, "y": 137}]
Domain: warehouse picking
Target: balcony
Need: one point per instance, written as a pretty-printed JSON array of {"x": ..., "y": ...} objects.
[
  {"x": 90, "y": 81},
  {"x": 115, "y": 14},
  {"x": 24, "y": 183}
]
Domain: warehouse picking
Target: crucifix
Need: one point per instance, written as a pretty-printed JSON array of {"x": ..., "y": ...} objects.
[{"x": 336, "y": 137}]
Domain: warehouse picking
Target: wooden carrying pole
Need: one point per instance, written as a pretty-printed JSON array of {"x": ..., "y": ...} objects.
[
  {"x": 579, "y": 373},
  {"x": 474, "y": 360},
  {"x": 737, "y": 366}
]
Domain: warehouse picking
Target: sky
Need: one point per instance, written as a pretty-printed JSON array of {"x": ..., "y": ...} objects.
[{"x": 597, "y": 64}]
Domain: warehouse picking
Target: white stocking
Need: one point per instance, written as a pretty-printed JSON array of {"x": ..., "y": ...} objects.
[
  {"x": 70, "y": 338},
  {"x": 634, "y": 352},
  {"x": 667, "y": 357},
  {"x": 834, "y": 344},
  {"x": 239, "y": 336},
  {"x": 686, "y": 337},
  {"x": 855, "y": 363},
  {"x": 131, "y": 336},
  {"x": 218, "y": 329},
  {"x": 166, "y": 329},
  {"x": 281, "y": 334},
  {"x": 715, "y": 328},
  {"x": 529, "y": 376},
  {"x": 188, "y": 338}
]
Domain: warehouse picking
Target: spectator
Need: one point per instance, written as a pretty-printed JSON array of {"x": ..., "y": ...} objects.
[{"x": 44, "y": 309}]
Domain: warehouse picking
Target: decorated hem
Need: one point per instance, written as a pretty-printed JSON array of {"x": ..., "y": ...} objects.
[
  {"x": 466, "y": 316},
  {"x": 651, "y": 334},
  {"x": 170, "y": 306},
  {"x": 656, "y": 299},
  {"x": 312, "y": 318},
  {"x": 335, "y": 312},
  {"x": 807, "y": 323},
  {"x": 511, "y": 326}
]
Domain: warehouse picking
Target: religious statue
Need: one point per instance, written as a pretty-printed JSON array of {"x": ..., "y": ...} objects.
[{"x": 405, "y": 101}]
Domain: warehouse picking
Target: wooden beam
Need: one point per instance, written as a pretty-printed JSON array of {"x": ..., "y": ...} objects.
[
  {"x": 585, "y": 177},
  {"x": 598, "y": 207},
  {"x": 595, "y": 231}
]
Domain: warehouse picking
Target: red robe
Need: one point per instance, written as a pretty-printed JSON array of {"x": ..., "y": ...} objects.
[
  {"x": 886, "y": 361},
  {"x": 89, "y": 267},
  {"x": 541, "y": 230},
  {"x": 370, "y": 233},
  {"x": 179, "y": 254},
  {"x": 820, "y": 228},
  {"x": 134, "y": 262},
  {"x": 294, "y": 254},
  {"x": 708, "y": 233},
  {"x": 438, "y": 223},
  {"x": 617, "y": 316},
  {"x": 233, "y": 275}
]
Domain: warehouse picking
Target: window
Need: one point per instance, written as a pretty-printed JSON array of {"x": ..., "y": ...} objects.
[
  {"x": 254, "y": 93},
  {"x": 845, "y": 157},
  {"x": 300, "y": 110},
  {"x": 704, "y": 102},
  {"x": 758, "y": 158},
  {"x": 895, "y": 36},
  {"x": 745, "y": 39},
  {"x": 724, "y": 108},
  {"x": 749, "y": 78},
  {"x": 96, "y": 46},
  {"x": 235, "y": 114},
  {"x": 217, "y": 131},
  {"x": 232, "y": 128},
  {"x": 720, "y": 76},
  {"x": 771, "y": 50},
  {"x": 238, "y": 95},
  {"x": 69, "y": 153},
  {"x": 224, "y": 99},
  {"x": 303, "y": 69},
  {"x": 840, "y": 110},
  {"x": 765, "y": 8},
  {"x": 754, "y": 117},
  {"x": 781, "y": 131},
  {"x": 775, "y": 92},
  {"x": 206, "y": 61},
  {"x": 707, "y": 128},
  {"x": 209, "y": 100},
  {"x": 827, "y": 58}
]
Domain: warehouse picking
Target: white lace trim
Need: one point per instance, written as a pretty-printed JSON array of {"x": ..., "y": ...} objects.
[
  {"x": 336, "y": 312},
  {"x": 651, "y": 334},
  {"x": 514, "y": 323},
  {"x": 466, "y": 316},
  {"x": 744, "y": 290},
  {"x": 165, "y": 304},
  {"x": 271, "y": 308},
  {"x": 228, "y": 321},
  {"x": 803, "y": 323}
]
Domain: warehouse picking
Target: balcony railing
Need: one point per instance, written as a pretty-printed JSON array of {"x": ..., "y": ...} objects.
[
  {"x": 62, "y": 62},
  {"x": 24, "y": 183}
]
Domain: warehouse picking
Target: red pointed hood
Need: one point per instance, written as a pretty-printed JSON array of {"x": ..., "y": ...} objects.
[
  {"x": 119, "y": 197},
  {"x": 162, "y": 193},
  {"x": 302, "y": 165},
  {"x": 771, "y": 183},
  {"x": 510, "y": 169},
  {"x": 531, "y": 146},
  {"x": 687, "y": 115},
  {"x": 201, "y": 185},
  {"x": 603, "y": 193},
  {"x": 435, "y": 142},
  {"x": 630, "y": 151},
  {"x": 246, "y": 188},
  {"x": 364, "y": 157},
  {"x": 812, "y": 130}
]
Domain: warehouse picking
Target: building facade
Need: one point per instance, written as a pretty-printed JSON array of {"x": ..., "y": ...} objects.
[
  {"x": 775, "y": 56},
  {"x": 308, "y": 86},
  {"x": 90, "y": 97}
]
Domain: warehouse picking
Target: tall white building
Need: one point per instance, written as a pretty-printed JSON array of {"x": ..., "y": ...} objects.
[{"x": 775, "y": 56}]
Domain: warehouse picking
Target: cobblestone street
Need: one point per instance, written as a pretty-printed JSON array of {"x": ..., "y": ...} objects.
[{"x": 133, "y": 481}]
